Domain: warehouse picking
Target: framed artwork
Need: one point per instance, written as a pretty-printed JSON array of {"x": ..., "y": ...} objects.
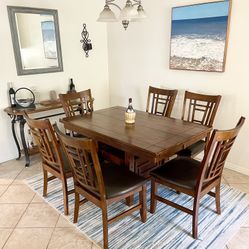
[
  {"x": 49, "y": 42},
  {"x": 199, "y": 36}
]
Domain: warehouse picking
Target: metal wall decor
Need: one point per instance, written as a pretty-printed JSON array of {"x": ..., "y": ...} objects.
[{"x": 87, "y": 45}]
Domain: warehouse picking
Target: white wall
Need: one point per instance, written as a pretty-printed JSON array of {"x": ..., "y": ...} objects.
[
  {"x": 139, "y": 57},
  {"x": 87, "y": 73}
]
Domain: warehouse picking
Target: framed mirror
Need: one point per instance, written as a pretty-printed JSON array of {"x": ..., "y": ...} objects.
[{"x": 36, "y": 40}]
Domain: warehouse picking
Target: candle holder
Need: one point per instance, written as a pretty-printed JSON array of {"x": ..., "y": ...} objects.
[{"x": 87, "y": 45}]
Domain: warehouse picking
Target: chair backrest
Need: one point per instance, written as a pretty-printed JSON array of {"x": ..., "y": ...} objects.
[
  {"x": 84, "y": 162},
  {"x": 47, "y": 142},
  {"x": 200, "y": 108},
  {"x": 160, "y": 101},
  {"x": 218, "y": 148},
  {"x": 77, "y": 103}
]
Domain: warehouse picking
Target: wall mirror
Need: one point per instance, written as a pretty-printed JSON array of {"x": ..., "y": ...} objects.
[{"x": 36, "y": 40}]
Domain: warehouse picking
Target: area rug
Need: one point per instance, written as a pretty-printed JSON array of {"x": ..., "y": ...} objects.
[{"x": 167, "y": 228}]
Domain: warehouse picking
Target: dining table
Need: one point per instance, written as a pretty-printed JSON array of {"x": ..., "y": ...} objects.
[{"x": 146, "y": 143}]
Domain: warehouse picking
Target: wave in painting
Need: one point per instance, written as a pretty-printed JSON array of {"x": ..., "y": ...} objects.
[{"x": 198, "y": 44}]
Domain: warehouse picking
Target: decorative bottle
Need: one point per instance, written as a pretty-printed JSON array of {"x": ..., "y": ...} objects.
[
  {"x": 71, "y": 86},
  {"x": 130, "y": 113},
  {"x": 11, "y": 95}
]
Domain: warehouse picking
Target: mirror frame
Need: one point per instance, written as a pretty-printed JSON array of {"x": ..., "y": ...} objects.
[{"x": 12, "y": 10}]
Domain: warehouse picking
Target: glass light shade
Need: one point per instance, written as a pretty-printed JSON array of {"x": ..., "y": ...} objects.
[
  {"x": 107, "y": 15},
  {"x": 140, "y": 14},
  {"x": 128, "y": 11}
]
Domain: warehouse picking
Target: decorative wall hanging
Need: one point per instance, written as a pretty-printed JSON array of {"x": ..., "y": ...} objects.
[
  {"x": 199, "y": 36},
  {"x": 87, "y": 45}
]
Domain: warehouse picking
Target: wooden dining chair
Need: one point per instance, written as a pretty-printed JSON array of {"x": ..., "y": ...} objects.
[
  {"x": 201, "y": 109},
  {"x": 53, "y": 159},
  {"x": 194, "y": 178},
  {"x": 101, "y": 184},
  {"x": 160, "y": 101},
  {"x": 81, "y": 103},
  {"x": 77, "y": 103}
]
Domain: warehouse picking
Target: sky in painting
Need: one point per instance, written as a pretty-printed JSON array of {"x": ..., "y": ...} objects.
[{"x": 214, "y": 9}]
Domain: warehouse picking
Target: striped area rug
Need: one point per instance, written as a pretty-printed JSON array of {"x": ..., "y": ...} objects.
[{"x": 167, "y": 228}]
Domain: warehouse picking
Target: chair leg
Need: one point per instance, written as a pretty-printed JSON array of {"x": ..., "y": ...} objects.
[
  {"x": 153, "y": 201},
  {"x": 45, "y": 183},
  {"x": 142, "y": 199},
  {"x": 105, "y": 226},
  {"x": 129, "y": 200},
  {"x": 76, "y": 207},
  {"x": 65, "y": 195},
  {"x": 195, "y": 217},
  {"x": 217, "y": 199}
]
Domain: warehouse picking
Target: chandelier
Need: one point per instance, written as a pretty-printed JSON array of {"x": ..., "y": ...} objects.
[{"x": 132, "y": 11}]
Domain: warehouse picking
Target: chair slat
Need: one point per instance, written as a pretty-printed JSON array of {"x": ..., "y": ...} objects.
[{"x": 160, "y": 101}]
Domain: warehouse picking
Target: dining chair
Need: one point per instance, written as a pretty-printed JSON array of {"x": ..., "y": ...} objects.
[
  {"x": 201, "y": 109},
  {"x": 195, "y": 178},
  {"x": 101, "y": 184},
  {"x": 81, "y": 103},
  {"x": 160, "y": 101},
  {"x": 53, "y": 159},
  {"x": 77, "y": 103}
]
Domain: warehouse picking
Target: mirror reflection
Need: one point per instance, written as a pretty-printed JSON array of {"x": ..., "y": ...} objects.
[{"x": 36, "y": 40}]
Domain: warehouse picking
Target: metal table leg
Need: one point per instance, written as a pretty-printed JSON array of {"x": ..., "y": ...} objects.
[
  {"x": 13, "y": 122},
  {"x": 25, "y": 148}
]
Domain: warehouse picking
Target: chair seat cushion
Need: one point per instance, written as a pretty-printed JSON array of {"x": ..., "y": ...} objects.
[
  {"x": 181, "y": 171},
  {"x": 193, "y": 149},
  {"x": 119, "y": 180}
]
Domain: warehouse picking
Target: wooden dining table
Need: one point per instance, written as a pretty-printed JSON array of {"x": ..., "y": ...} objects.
[{"x": 152, "y": 138}]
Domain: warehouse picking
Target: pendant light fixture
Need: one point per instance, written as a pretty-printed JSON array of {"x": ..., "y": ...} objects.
[{"x": 132, "y": 11}]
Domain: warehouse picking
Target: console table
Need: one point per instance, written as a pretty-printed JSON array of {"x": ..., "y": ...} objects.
[{"x": 17, "y": 115}]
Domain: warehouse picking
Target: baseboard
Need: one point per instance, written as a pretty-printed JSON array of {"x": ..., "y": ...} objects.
[
  {"x": 229, "y": 165},
  {"x": 237, "y": 168}
]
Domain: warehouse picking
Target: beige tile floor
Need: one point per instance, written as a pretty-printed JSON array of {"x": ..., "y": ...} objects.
[{"x": 27, "y": 222}]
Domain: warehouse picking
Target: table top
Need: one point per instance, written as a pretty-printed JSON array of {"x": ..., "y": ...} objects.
[
  {"x": 153, "y": 137},
  {"x": 38, "y": 108}
]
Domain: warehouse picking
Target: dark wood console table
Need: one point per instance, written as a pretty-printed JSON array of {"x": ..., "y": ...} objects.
[{"x": 17, "y": 115}]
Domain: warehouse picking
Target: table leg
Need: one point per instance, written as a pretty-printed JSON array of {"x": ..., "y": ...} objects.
[
  {"x": 25, "y": 148},
  {"x": 13, "y": 122},
  {"x": 129, "y": 162}
]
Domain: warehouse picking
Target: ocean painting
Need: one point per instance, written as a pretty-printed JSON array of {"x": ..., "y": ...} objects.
[{"x": 199, "y": 36}]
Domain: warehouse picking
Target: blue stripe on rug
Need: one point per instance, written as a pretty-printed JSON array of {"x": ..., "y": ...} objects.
[{"x": 167, "y": 228}]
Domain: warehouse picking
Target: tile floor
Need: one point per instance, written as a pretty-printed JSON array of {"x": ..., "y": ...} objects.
[{"x": 27, "y": 222}]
